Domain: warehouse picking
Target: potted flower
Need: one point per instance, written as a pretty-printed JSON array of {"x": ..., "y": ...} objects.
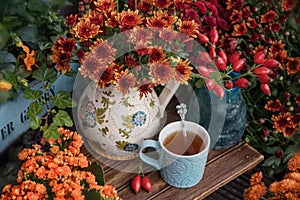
[{"x": 27, "y": 31}]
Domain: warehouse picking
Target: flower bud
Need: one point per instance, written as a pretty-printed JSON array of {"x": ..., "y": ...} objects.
[
  {"x": 209, "y": 83},
  {"x": 270, "y": 63},
  {"x": 265, "y": 88},
  {"x": 242, "y": 83},
  {"x": 220, "y": 63},
  {"x": 261, "y": 70},
  {"x": 259, "y": 57},
  {"x": 203, "y": 71},
  {"x": 234, "y": 57},
  {"x": 238, "y": 65}
]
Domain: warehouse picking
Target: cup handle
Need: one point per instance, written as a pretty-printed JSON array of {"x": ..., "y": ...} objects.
[{"x": 151, "y": 161}]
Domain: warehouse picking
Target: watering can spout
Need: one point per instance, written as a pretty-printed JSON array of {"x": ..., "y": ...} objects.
[{"x": 166, "y": 95}]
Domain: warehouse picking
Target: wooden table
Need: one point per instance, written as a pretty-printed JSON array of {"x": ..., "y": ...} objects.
[{"x": 222, "y": 167}]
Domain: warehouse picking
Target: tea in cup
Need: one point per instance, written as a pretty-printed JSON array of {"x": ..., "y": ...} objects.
[{"x": 182, "y": 157}]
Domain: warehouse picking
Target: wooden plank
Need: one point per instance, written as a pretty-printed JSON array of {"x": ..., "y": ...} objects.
[{"x": 217, "y": 173}]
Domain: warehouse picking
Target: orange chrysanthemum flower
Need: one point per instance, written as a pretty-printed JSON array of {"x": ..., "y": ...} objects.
[
  {"x": 287, "y": 4},
  {"x": 293, "y": 65},
  {"x": 89, "y": 66},
  {"x": 170, "y": 19},
  {"x": 141, "y": 35},
  {"x": 273, "y": 105},
  {"x": 155, "y": 22},
  {"x": 187, "y": 27},
  {"x": 294, "y": 162},
  {"x": 182, "y": 71},
  {"x": 161, "y": 72},
  {"x": 255, "y": 192},
  {"x": 125, "y": 82},
  {"x": 105, "y": 6},
  {"x": 281, "y": 121},
  {"x": 256, "y": 178},
  {"x": 284, "y": 186},
  {"x": 85, "y": 30},
  {"x": 129, "y": 19},
  {"x": 240, "y": 29},
  {"x": 268, "y": 17}
]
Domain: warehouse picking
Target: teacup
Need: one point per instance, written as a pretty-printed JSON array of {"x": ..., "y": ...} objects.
[{"x": 179, "y": 167}]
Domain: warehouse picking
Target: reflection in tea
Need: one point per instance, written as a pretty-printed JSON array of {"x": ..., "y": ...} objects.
[{"x": 176, "y": 144}]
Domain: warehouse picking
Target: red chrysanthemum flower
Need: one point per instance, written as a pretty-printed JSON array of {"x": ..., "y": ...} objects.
[
  {"x": 268, "y": 17},
  {"x": 71, "y": 20},
  {"x": 96, "y": 18},
  {"x": 240, "y": 29},
  {"x": 273, "y": 105},
  {"x": 251, "y": 23},
  {"x": 293, "y": 65},
  {"x": 145, "y": 6},
  {"x": 145, "y": 87},
  {"x": 287, "y": 4},
  {"x": 161, "y": 4},
  {"x": 275, "y": 27},
  {"x": 66, "y": 45},
  {"x": 236, "y": 16},
  {"x": 156, "y": 54},
  {"x": 105, "y": 76},
  {"x": 131, "y": 61},
  {"x": 297, "y": 99},
  {"x": 288, "y": 131},
  {"x": 234, "y": 4},
  {"x": 161, "y": 72}
]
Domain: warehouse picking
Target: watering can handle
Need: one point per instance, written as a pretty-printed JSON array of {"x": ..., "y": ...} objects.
[{"x": 167, "y": 94}]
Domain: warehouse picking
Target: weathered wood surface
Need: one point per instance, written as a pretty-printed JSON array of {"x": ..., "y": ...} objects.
[{"x": 222, "y": 167}]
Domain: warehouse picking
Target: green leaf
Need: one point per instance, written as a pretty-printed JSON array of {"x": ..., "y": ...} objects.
[
  {"x": 32, "y": 94},
  {"x": 52, "y": 132},
  {"x": 28, "y": 33},
  {"x": 63, "y": 100},
  {"x": 269, "y": 161},
  {"x": 62, "y": 118},
  {"x": 34, "y": 109},
  {"x": 199, "y": 83},
  {"x": 91, "y": 194},
  {"x": 6, "y": 57},
  {"x": 36, "y": 5},
  {"x": 97, "y": 170},
  {"x": 45, "y": 74},
  {"x": 4, "y": 36},
  {"x": 35, "y": 122}
]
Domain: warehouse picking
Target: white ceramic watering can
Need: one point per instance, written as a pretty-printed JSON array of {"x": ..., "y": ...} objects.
[{"x": 114, "y": 125}]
